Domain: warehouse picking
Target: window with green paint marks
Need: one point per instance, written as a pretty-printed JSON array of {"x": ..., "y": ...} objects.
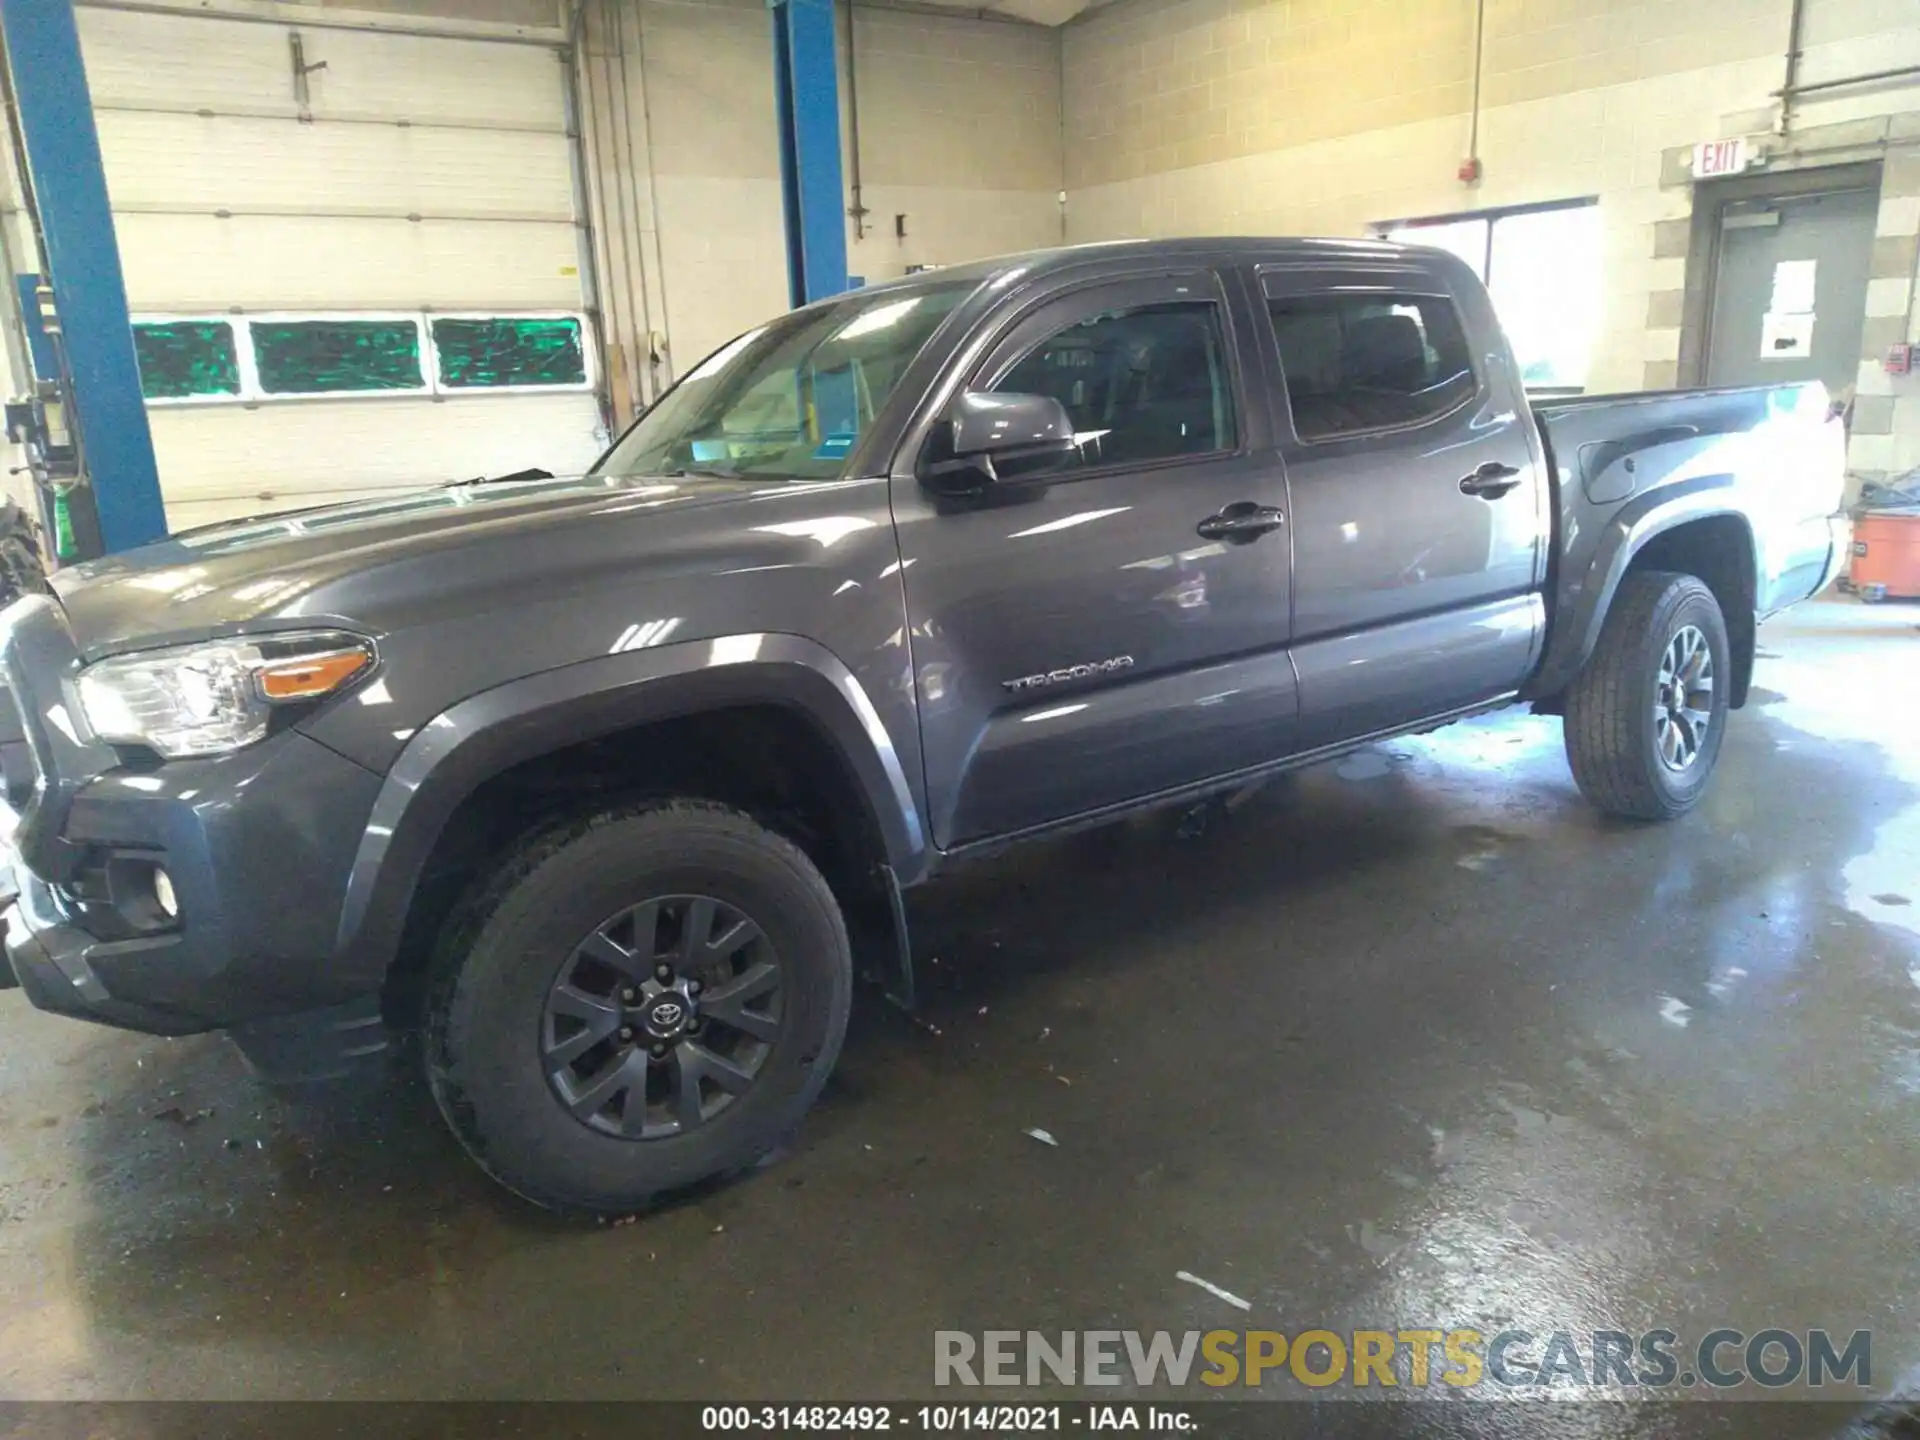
[
  {"x": 509, "y": 350},
  {"x": 182, "y": 359},
  {"x": 314, "y": 357},
  {"x": 285, "y": 356}
]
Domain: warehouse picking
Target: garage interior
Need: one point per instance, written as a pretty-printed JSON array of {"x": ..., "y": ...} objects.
[{"x": 1412, "y": 1038}]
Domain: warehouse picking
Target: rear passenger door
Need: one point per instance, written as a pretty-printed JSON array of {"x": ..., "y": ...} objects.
[{"x": 1418, "y": 506}]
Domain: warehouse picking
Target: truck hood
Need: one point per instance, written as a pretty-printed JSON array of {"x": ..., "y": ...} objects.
[{"x": 224, "y": 578}]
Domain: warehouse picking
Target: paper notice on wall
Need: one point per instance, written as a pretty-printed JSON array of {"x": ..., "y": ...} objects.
[
  {"x": 1786, "y": 337},
  {"x": 1793, "y": 287}
]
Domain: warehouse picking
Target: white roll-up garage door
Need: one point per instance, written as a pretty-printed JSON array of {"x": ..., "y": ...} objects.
[{"x": 349, "y": 281}]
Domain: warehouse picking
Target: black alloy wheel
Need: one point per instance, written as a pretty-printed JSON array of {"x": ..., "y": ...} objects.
[{"x": 662, "y": 1017}]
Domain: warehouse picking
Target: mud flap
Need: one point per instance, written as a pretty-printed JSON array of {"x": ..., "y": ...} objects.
[
  {"x": 900, "y": 987},
  {"x": 877, "y": 928},
  {"x": 315, "y": 1045}
]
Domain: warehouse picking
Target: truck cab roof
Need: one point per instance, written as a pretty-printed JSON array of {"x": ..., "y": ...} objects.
[{"x": 1248, "y": 249}]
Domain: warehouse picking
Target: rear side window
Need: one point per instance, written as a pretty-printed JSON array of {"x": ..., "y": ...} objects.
[
  {"x": 1142, "y": 384},
  {"x": 1355, "y": 363}
]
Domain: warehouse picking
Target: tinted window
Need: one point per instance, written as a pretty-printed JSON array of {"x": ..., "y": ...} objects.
[
  {"x": 509, "y": 350},
  {"x": 1145, "y": 384},
  {"x": 317, "y": 357},
  {"x": 182, "y": 358},
  {"x": 1370, "y": 362}
]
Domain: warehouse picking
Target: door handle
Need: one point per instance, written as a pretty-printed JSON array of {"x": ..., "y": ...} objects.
[
  {"x": 1241, "y": 523},
  {"x": 1490, "y": 481}
]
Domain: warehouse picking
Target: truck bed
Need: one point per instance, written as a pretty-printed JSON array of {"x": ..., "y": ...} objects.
[{"x": 1622, "y": 463}]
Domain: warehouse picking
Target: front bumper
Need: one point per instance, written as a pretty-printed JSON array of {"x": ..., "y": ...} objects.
[{"x": 258, "y": 845}]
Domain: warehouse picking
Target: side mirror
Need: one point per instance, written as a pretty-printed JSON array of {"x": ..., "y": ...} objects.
[{"x": 991, "y": 439}]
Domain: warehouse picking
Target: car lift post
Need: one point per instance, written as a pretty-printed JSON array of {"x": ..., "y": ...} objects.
[
  {"x": 806, "y": 79},
  {"x": 48, "y": 87}
]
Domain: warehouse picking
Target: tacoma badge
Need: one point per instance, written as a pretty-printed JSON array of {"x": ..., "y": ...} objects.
[{"x": 1070, "y": 672}]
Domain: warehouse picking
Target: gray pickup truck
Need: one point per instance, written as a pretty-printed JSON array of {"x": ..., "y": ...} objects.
[{"x": 609, "y": 784}]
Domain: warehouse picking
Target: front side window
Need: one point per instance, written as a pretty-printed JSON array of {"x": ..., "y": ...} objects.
[
  {"x": 789, "y": 400},
  {"x": 1142, "y": 384},
  {"x": 1360, "y": 362}
]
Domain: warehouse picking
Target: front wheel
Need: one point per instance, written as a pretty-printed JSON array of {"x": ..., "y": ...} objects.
[
  {"x": 636, "y": 1002},
  {"x": 1646, "y": 717}
]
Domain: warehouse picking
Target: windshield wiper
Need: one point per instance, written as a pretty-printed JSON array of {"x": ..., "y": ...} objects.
[{"x": 533, "y": 474}]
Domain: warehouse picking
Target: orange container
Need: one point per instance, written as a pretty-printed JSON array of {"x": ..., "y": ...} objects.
[{"x": 1886, "y": 556}]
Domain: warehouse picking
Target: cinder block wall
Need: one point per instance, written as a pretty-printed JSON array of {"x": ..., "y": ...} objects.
[
  {"x": 959, "y": 132},
  {"x": 1324, "y": 116}
]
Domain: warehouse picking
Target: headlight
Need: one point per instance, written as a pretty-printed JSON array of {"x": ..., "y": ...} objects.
[{"x": 211, "y": 698}]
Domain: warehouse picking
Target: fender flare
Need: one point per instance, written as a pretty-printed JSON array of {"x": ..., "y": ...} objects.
[
  {"x": 457, "y": 751},
  {"x": 1584, "y": 603}
]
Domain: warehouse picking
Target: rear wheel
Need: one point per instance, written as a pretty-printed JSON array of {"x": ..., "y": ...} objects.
[
  {"x": 636, "y": 1002},
  {"x": 1645, "y": 719}
]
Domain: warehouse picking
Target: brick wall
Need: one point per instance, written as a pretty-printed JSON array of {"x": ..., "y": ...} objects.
[
  {"x": 1886, "y": 419},
  {"x": 960, "y": 132},
  {"x": 1322, "y": 117}
]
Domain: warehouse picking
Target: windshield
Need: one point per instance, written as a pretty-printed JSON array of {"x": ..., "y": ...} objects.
[{"x": 788, "y": 400}]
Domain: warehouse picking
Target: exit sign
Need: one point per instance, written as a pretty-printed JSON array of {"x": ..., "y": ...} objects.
[{"x": 1720, "y": 157}]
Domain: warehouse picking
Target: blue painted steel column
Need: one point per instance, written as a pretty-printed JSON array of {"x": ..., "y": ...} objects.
[
  {"x": 807, "y": 97},
  {"x": 70, "y": 194}
]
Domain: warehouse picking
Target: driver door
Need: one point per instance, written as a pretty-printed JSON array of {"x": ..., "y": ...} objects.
[{"x": 1093, "y": 635}]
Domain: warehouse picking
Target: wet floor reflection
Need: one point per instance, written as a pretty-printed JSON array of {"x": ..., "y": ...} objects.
[{"x": 1414, "y": 1039}]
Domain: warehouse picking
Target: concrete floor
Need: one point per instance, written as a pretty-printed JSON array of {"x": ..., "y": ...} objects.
[{"x": 1416, "y": 1039}]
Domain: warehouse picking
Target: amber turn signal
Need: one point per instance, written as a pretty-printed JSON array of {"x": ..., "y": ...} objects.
[{"x": 310, "y": 675}]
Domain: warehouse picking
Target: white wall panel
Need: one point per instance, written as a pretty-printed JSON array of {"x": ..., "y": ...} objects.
[
  {"x": 947, "y": 226},
  {"x": 725, "y": 257},
  {"x": 198, "y": 114},
  {"x": 279, "y": 455},
  {"x": 183, "y": 60},
  {"x": 164, "y": 160},
  {"x": 261, "y": 262},
  {"x": 407, "y": 77},
  {"x": 188, "y": 62}
]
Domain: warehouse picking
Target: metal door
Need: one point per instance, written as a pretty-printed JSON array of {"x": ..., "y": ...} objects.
[
  {"x": 1790, "y": 289},
  {"x": 1419, "y": 511},
  {"x": 221, "y": 206},
  {"x": 1119, "y": 630}
]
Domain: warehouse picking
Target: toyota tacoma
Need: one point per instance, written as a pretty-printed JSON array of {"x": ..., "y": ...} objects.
[{"x": 610, "y": 784}]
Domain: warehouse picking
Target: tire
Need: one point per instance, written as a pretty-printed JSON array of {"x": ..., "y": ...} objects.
[
  {"x": 1614, "y": 734},
  {"x": 520, "y": 980},
  {"x": 21, "y": 571}
]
